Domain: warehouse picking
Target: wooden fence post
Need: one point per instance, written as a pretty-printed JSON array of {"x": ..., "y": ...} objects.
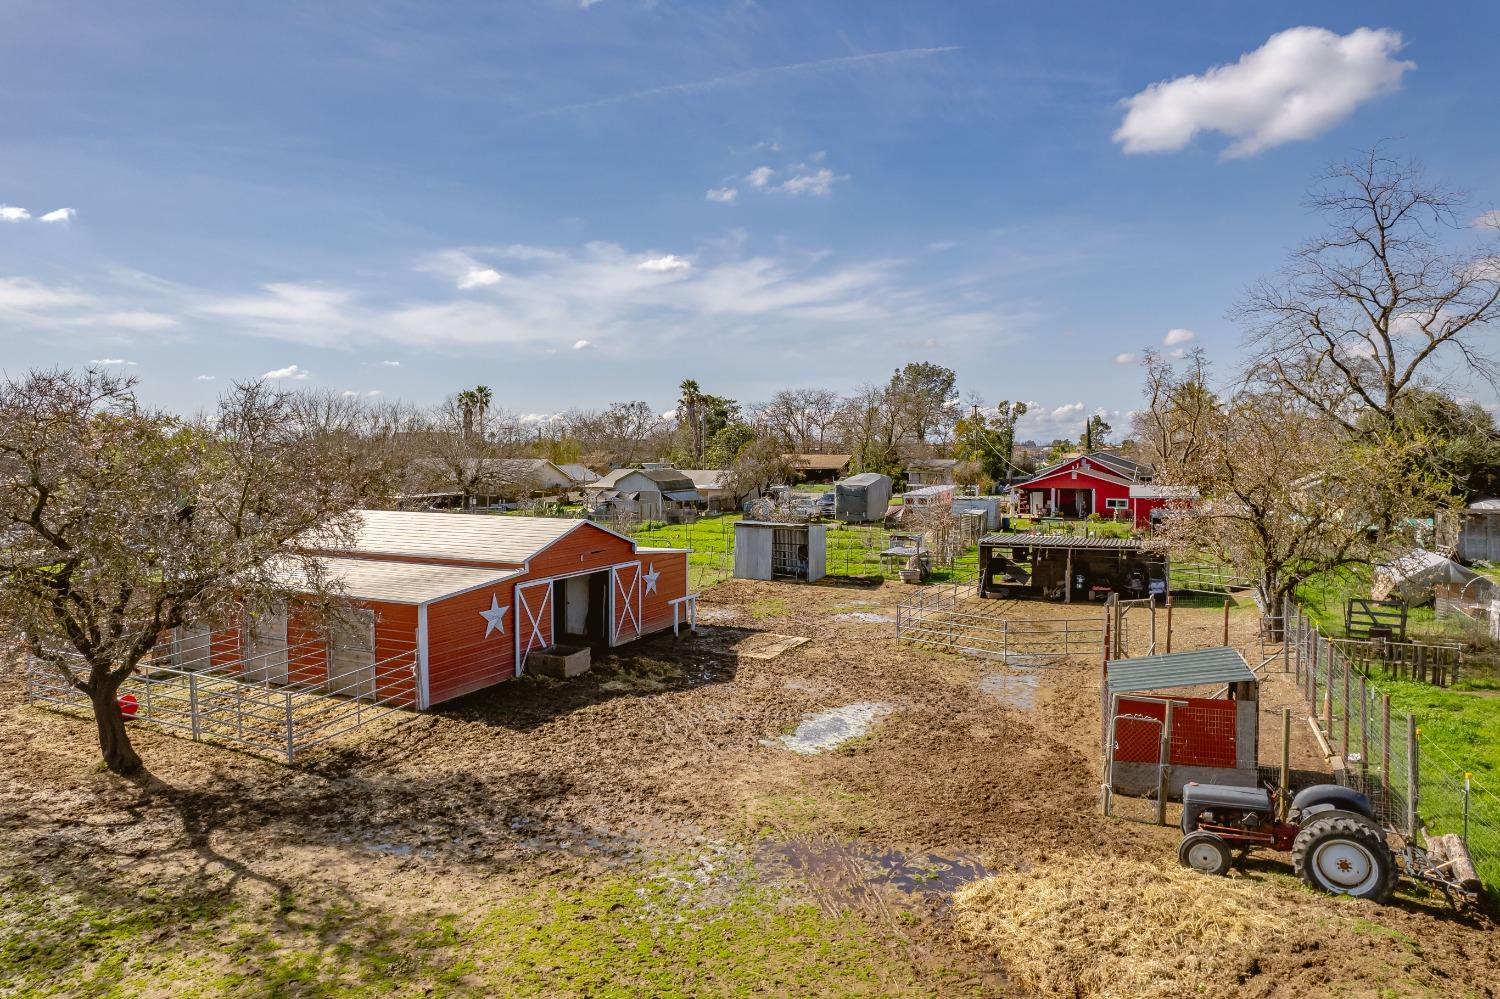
[
  {"x": 1169, "y": 624},
  {"x": 1226, "y": 620}
]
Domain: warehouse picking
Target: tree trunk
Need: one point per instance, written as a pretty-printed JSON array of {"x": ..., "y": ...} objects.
[{"x": 114, "y": 741}]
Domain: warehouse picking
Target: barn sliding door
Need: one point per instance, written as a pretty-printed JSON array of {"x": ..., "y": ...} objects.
[
  {"x": 625, "y": 603},
  {"x": 533, "y": 620}
]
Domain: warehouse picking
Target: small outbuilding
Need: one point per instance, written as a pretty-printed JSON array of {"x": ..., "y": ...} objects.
[
  {"x": 1213, "y": 736},
  {"x": 654, "y": 493},
  {"x": 930, "y": 472},
  {"x": 766, "y": 549},
  {"x": 819, "y": 468},
  {"x": 1069, "y": 569},
  {"x": 862, "y": 498},
  {"x": 1471, "y": 534}
]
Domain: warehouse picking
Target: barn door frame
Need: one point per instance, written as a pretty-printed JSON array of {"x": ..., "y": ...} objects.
[
  {"x": 529, "y": 624},
  {"x": 632, "y": 591}
]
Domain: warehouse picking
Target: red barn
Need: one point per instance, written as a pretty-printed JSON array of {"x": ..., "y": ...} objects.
[
  {"x": 1092, "y": 483},
  {"x": 446, "y": 604}
]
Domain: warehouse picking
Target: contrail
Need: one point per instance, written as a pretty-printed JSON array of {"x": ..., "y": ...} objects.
[{"x": 748, "y": 75}]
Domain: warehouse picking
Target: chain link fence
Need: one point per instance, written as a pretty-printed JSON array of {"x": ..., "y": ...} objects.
[{"x": 1415, "y": 785}]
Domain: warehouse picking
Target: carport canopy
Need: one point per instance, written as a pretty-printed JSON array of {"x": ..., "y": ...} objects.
[{"x": 1179, "y": 669}]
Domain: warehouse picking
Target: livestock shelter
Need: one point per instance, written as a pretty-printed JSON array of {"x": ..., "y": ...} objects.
[
  {"x": 819, "y": 468},
  {"x": 930, "y": 472},
  {"x": 657, "y": 493},
  {"x": 1471, "y": 534},
  {"x": 1069, "y": 569},
  {"x": 862, "y": 498},
  {"x": 1098, "y": 482},
  {"x": 432, "y": 606},
  {"x": 766, "y": 549},
  {"x": 1201, "y": 707}
]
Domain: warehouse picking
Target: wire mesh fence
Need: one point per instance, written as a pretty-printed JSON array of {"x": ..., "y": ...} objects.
[{"x": 1414, "y": 784}]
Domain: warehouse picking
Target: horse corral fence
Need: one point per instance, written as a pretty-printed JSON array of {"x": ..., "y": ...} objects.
[
  {"x": 1414, "y": 786},
  {"x": 255, "y": 702},
  {"x": 952, "y": 617}
]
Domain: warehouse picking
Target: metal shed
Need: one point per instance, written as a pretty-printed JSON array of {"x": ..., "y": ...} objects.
[
  {"x": 1060, "y": 567},
  {"x": 770, "y": 550},
  {"x": 862, "y": 498},
  {"x": 1157, "y": 739}
]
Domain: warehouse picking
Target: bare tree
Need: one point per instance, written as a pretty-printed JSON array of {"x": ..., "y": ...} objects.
[
  {"x": 118, "y": 524},
  {"x": 624, "y": 434},
  {"x": 1172, "y": 429},
  {"x": 1375, "y": 305},
  {"x": 800, "y": 420}
]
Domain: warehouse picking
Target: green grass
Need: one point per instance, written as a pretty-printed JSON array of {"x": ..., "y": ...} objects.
[{"x": 701, "y": 927}]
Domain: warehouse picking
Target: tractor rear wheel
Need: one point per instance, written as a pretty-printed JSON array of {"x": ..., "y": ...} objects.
[
  {"x": 1203, "y": 851},
  {"x": 1345, "y": 855}
]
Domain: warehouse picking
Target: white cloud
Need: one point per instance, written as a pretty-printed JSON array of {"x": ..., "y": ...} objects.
[
  {"x": 817, "y": 182},
  {"x": 1489, "y": 220},
  {"x": 1175, "y": 337},
  {"x": 1177, "y": 354},
  {"x": 1125, "y": 358},
  {"x": 10, "y": 213},
  {"x": 391, "y": 364},
  {"x": 112, "y": 360},
  {"x": 291, "y": 371},
  {"x": 373, "y": 392},
  {"x": 306, "y": 313},
  {"x": 722, "y": 195},
  {"x": 60, "y": 215},
  {"x": 1300, "y": 83},
  {"x": 207, "y": 378},
  {"x": 760, "y": 176},
  {"x": 666, "y": 264},
  {"x": 349, "y": 394},
  {"x": 479, "y": 277},
  {"x": 582, "y": 344}
]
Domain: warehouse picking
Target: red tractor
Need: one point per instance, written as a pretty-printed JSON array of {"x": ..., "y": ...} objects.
[{"x": 1337, "y": 846}]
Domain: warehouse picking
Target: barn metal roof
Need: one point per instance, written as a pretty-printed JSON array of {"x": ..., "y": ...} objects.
[
  {"x": 1061, "y": 541},
  {"x": 395, "y": 582},
  {"x": 1179, "y": 669},
  {"x": 462, "y": 537}
]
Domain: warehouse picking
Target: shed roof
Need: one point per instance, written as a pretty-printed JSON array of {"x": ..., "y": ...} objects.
[
  {"x": 707, "y": 478},
  {"x": 1060, "y": 541},
  {"x": 1179, "y": 669},
  {"x": 395, "y": 582},
  {"x": 865, "y": 479},
  {"x": 579, "y": 473},
  {"x": 923, "y": 492},
  {"x": 818, "y": 462},
  {"x": 456, "y": 536},
  {"x": 663, "y": 478}
]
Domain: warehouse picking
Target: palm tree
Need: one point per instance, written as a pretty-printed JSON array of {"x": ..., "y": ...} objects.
[
  {"x": 482, "y": 397},
  {"x": 688, "y": 412},
  {"x": 468, "y": 402}
]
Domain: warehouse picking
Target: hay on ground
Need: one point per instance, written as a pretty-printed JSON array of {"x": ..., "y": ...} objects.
[{"x": 1107, "y": 926}]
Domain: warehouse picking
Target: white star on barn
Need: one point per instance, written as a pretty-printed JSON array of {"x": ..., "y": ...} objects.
[
  {"x": 495, "y": 616},
  {"x": 651, "y": 577}
]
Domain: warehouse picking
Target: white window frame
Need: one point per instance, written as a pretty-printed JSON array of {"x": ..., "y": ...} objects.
[{"x": 1114, "y": 503}]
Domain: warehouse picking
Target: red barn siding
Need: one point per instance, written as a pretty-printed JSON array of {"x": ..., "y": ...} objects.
[
  {"x": 460, "y": 659},
  {"x": 307, "y": 651},
  {"x": 656, "y": 608},
  {"x": 586, "y": 549},
  {"x": 395, "y": 652}
]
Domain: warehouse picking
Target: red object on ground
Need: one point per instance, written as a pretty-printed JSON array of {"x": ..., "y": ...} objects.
[{"x": 128, "y": 706}]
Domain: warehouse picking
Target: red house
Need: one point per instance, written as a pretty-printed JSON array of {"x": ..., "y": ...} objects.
[{"x": 1091, "y": 483}]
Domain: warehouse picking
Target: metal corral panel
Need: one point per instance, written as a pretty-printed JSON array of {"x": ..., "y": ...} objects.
[
  {"x": 817, "y": 552},
  {"x": 862, "y": 498},
  {"x": 752, "y": 550},
  {"x": 1061, "y": 541},
  {"x": 988, "y": 505},
  {"x": 1179, "y": 669}
]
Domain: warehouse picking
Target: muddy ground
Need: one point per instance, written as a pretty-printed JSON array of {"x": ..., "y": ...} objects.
[{"x": 642, "y": 830}]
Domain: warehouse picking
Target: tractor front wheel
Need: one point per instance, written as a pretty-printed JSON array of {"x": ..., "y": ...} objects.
[
  {"x": 1345, "y": 856},
  {"x": 1203, "y": 851}
]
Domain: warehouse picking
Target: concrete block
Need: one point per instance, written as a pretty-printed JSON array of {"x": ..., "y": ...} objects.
[{"x": 560, "y": 661}]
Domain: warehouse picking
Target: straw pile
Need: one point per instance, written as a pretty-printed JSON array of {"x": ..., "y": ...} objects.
[{"x": 1104, "y": 926}]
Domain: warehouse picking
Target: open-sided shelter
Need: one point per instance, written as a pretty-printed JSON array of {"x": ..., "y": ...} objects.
[{"x": 1059, "y": 567}]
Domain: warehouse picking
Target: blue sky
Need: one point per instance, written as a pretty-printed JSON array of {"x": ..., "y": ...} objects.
[{"x": 575, "y": 203}]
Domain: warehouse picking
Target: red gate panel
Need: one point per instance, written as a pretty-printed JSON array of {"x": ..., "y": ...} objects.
[{"x": 1203, "y": 732}]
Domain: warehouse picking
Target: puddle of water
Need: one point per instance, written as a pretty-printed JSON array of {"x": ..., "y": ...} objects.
[
  {"x": 828, "y": 729},
  {"x": 1014, "y": 690},
  {"x": 868, "y": 617},
  {"x": 853, "y": 868}
]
